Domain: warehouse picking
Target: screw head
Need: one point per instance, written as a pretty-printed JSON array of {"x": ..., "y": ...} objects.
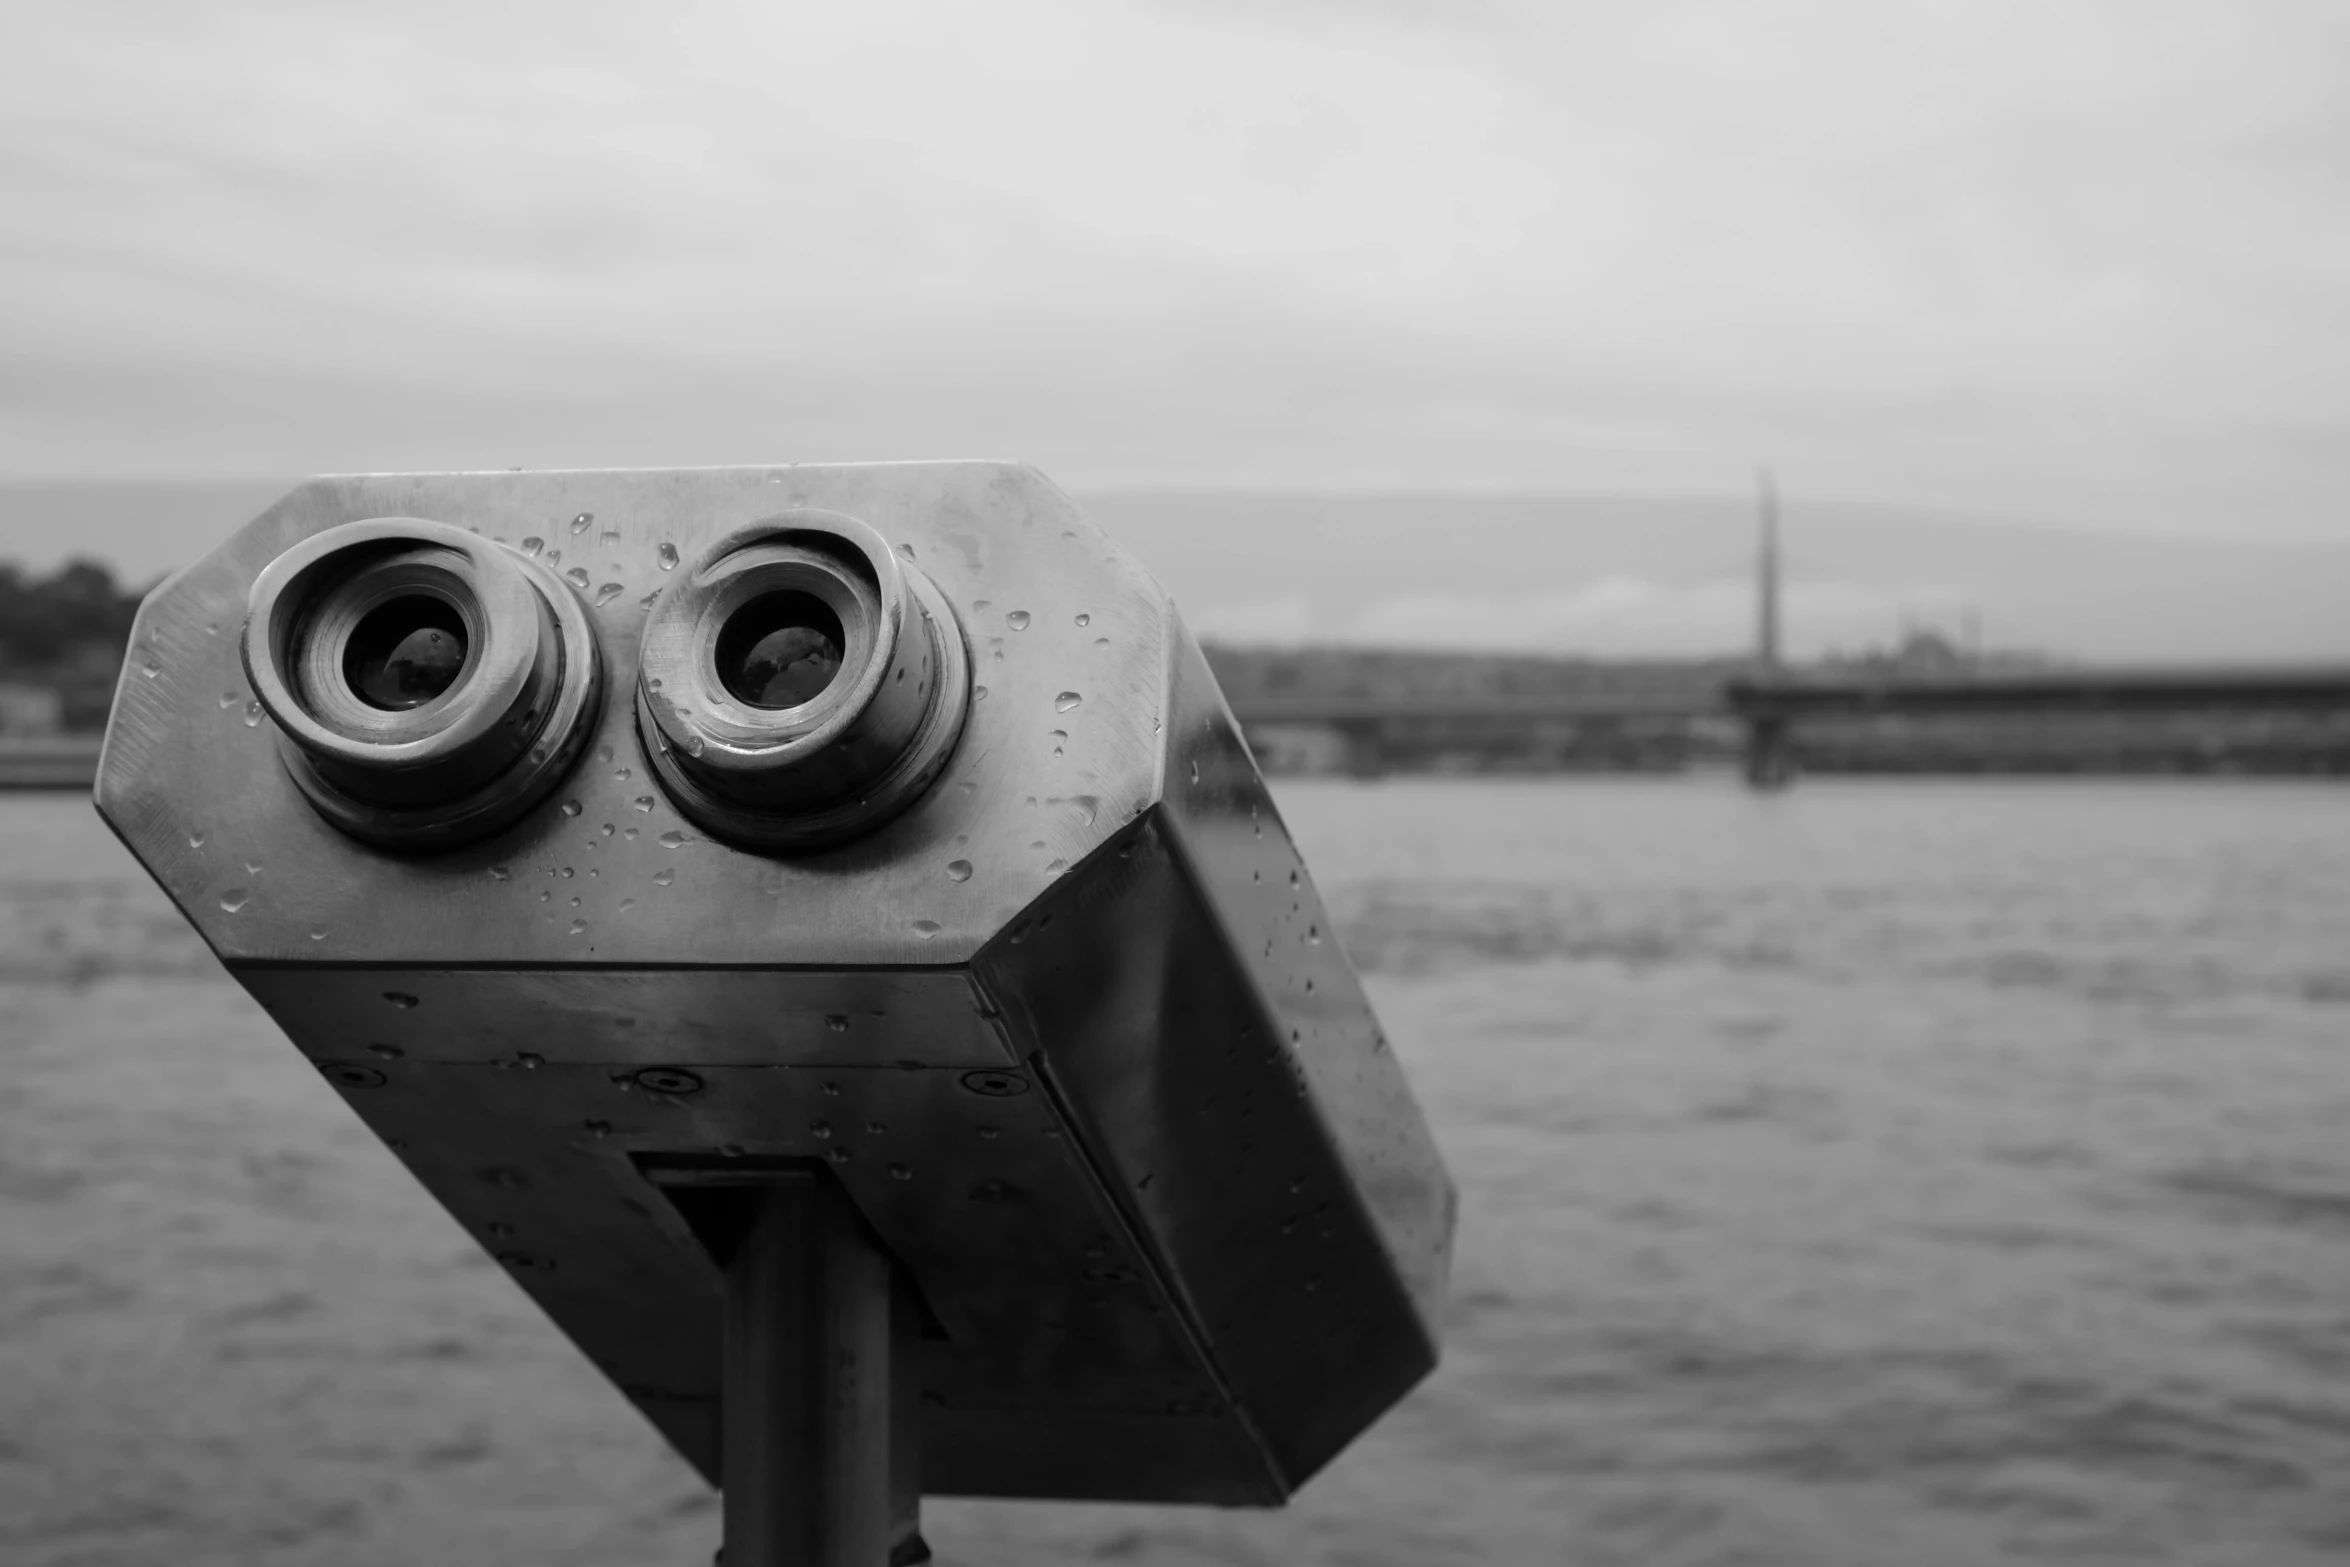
[
  {"x": 668, "y": 1080},
  {"x": 996, "y": 1085}
]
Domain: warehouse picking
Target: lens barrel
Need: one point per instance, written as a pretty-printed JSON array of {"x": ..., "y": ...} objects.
[
  {"x": 800, "y": 683},
  {"x": 428, "y": 686}
]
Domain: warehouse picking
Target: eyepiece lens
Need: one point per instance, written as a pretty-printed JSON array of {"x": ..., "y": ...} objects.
[
  {"x": 780, "y": 650},
  {"x": 405, "y": 652}
]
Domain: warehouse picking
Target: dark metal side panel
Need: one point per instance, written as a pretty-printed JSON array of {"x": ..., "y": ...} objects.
[
  {"x": 1203, "y": 1117},
  {"x": 1224, "y": 827}
]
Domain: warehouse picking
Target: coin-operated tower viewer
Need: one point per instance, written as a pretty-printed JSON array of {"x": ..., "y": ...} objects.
[{"x": 821, "y": 930}]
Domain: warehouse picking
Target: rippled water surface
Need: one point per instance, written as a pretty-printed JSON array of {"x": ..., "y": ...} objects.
[{"x": 1886, "y": 1173}]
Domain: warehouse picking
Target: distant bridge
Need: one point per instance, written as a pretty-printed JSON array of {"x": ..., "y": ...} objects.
[
  {"x": 1791, "y": 695},
  {"x": 1788, "y": 695},
  {"x": 1769, "y": 705}
]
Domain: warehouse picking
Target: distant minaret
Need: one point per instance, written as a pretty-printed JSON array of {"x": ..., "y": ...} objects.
[
  {"x": 1767, "y": 575},
  {"x": 1770, "y": 753}
]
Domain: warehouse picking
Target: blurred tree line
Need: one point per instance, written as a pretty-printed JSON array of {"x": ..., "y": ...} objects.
[{"x": 66, "y": 632}]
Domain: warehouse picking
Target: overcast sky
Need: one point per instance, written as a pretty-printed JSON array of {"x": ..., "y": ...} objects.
[{"x": 2085, "y": 262}]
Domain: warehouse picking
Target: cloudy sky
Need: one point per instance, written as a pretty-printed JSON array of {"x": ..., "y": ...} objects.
[{"x": 2084, "y": 263}]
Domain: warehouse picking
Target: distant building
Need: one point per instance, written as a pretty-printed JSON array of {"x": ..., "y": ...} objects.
[
  {"x": 30, "y": 710},
  {"x": 1927, "y": 652}
]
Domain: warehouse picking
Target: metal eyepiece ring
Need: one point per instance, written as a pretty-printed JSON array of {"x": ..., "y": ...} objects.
[
  {"x": 428, "y": 686},
  {"x": 799, "y": 684}
]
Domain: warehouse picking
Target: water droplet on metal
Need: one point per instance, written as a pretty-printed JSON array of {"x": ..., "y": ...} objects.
[
  {"x": 958, "y": 870},
  {"x": 567, "y": 873},
  {"x": 252, "y": 715},
  {"x": 643, "y": 802},
  {"x": 1101, "y": 641},
  {"x": 577, "y": 576},
  {"x": 151, "y": 668},
  {"x": 229, "y": 699},
  {"x": 820, "y": 1130},
  {"x": 318, "y": 933},
  {"x": 196, "y": 839},
  {"x": 501, "y": 873},
  {"x": 571, "y": 807},
  {"x": 579, "y": 927},
  {"x": 838, "y": 1022},
  {"x": 1195, "y": 771},
  {"x": 1017, "y": 620},
  {"x": 1065, "y": 701},
  {"x": 664, "y": 876},
  {"x": 533, "y": 544},
  {"x": 979, "y": 693},
  {"x": 668, "y": 557},
  {"x": 901, "y": 1172},
  {"x": 673, "y": 839},
  {"x": 838, "y": 1156},
  {"x": 621, "y": 775},
  {"x": 906, "y": 550},
  {"x": 647, "y": 601},
  {"x": 693, "y": 745},
  {"x": 607, "y": 593},
  {"x": 608, "y": 831},
  {"x": 579, "y": 524},
  {"x": 1085, "y": 620},
  {"x": 926, "y": 928},
  {"x": 529, "y": 1060},
  {"x": 388, "y": 1052},
  {"x": 234, "y": 899}
]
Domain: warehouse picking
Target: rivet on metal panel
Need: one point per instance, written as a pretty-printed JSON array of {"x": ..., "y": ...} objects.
[
  {"x": 667, "y": 1080},
  {"x": 996, "y": 1085}
]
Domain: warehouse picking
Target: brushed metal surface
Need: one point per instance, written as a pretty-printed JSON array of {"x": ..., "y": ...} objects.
[
  {"x": 1071, "y": 1032},
  {"x": 1019, "y": 804}
]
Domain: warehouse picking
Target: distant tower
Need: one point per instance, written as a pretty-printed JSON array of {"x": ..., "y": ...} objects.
[
  {"x": 1767, "y": 576},
  {"x": 1770, "y": 757}
]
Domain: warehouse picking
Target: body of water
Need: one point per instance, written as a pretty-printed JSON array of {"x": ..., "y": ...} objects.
[{"x": 1887, "y": 1172}]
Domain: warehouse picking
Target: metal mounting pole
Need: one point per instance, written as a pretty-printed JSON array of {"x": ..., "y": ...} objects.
[{"x": 816, "y": 1375}]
